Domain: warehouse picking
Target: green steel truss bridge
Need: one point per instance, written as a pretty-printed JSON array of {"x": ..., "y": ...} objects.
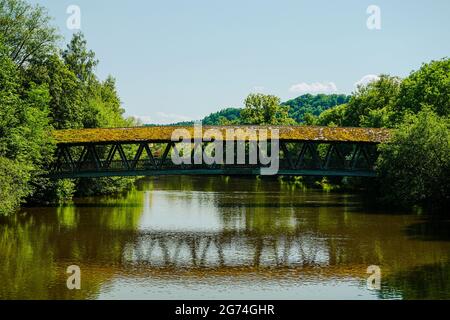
[{"x": 146, "y": 151}]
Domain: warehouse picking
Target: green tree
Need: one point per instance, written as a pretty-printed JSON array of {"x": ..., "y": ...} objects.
[
  {"x": 24, "y": 127},
  {"x": 372, "y": 104},
  {"x": 104, "y": 106},
  {"x": 25, "y": 143},
  {"x": 79, "y": 59},
  {"x": 26, "y": 31},
  {"x": 333, "y": 117},
  {"x": 67, "y": 106},
  {"x": 414, "y": 166},
  {"x": 429, "y": 86},
  {"x": 222, "y": 117},
  {"x": 14, "y": 187},
  {"x": 263, "y": 109},
  {"x": 313, "y": 105},
  {"x": 309, "y": 119}
]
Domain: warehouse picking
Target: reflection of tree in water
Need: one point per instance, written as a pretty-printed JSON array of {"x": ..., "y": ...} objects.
[
  {"x": 425, "y": 282},
  {"x": 36, "y": 249},
  {"x": 429, "y": 280},
  {"x": 432, "y": 229}
]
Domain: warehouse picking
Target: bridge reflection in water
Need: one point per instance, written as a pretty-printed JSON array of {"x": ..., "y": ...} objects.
[{"x": 225, "y": 250}]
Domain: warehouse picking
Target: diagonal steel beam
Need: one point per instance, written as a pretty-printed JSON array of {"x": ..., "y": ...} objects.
[
  {"x": 123, "y": 156},
  {"x": 137, "y": 156},
  {"x": 287, "y": 154},
  {"x": 150, "y": 154},
  {"x": 110, "y": 157},
  {"x": 81, "y": 158}
]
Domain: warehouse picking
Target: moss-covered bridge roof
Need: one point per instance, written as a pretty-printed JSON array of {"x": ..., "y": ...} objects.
[{"x": 164, "y": 133}]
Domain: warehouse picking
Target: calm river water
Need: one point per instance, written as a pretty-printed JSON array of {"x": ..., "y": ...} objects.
[{"x": 222, "y": 238}]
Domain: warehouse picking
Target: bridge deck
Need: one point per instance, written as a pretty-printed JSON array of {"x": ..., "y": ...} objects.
[{"x": 164, "y": 133}]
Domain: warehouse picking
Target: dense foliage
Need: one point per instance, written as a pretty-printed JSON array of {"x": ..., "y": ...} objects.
[
  {"x": 313, "y": 105},
  {"x": 370, "y": 106},
  {"x": 415, "y": 165},
  {"x": 25, "y": 147},
  {"x": 427, "y": 87},
  {"x": 222, "y": 117},
  {"x": 13, "y": 185},
  {"x": 43, "y": 88},
  {"x": 263, "y": 109}
]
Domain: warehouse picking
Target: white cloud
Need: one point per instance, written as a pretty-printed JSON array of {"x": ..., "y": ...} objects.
[
  {"x": 162, "y": 118},
  {"x": 258, "y": 89},
  {"x": 168, "y": 118},
  {"x": 366, "y": 80},
  {"x": 316, "y": 87}
]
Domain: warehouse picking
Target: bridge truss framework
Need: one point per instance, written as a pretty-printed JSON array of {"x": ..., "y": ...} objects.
[{"x": 153, "y": 158}]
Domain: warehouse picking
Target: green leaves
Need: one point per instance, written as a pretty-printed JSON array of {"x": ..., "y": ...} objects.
[
  {"x": 23, "y": 117},
  {"x": 414, "y": 166},
  {"x": 14, "y": 186},
  {"x": 79, "y": 59},
  {"x": 313, "y": 105},
  {"x": 223, "y": 117},
  {"x": 371, "y": 105},
  {"x": 263, "y": 109},
  {"x": 26, "y": 32},
  {"x": 430, "y": 85}
]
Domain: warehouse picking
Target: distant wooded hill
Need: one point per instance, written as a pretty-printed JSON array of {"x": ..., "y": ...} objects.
[
  {"x": 298, "y": 107},
  {"x": 314, "y": 104}
]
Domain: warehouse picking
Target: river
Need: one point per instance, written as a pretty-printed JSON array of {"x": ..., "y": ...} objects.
[{"x": 222, "y": 238}]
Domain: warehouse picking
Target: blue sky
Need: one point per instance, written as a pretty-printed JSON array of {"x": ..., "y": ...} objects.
[{"x": 178, "y": 60}]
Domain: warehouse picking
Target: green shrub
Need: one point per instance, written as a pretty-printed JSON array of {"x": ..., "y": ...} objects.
[
  {"x": 414, "y": 167},
  {"x": 14, "y": 188}
]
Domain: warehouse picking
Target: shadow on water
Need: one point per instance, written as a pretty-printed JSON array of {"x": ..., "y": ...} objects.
[
  {"x": 288, "y": 205},
  {"x": 429, "y": 230},
  {"x": 430, "y": 282}
]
